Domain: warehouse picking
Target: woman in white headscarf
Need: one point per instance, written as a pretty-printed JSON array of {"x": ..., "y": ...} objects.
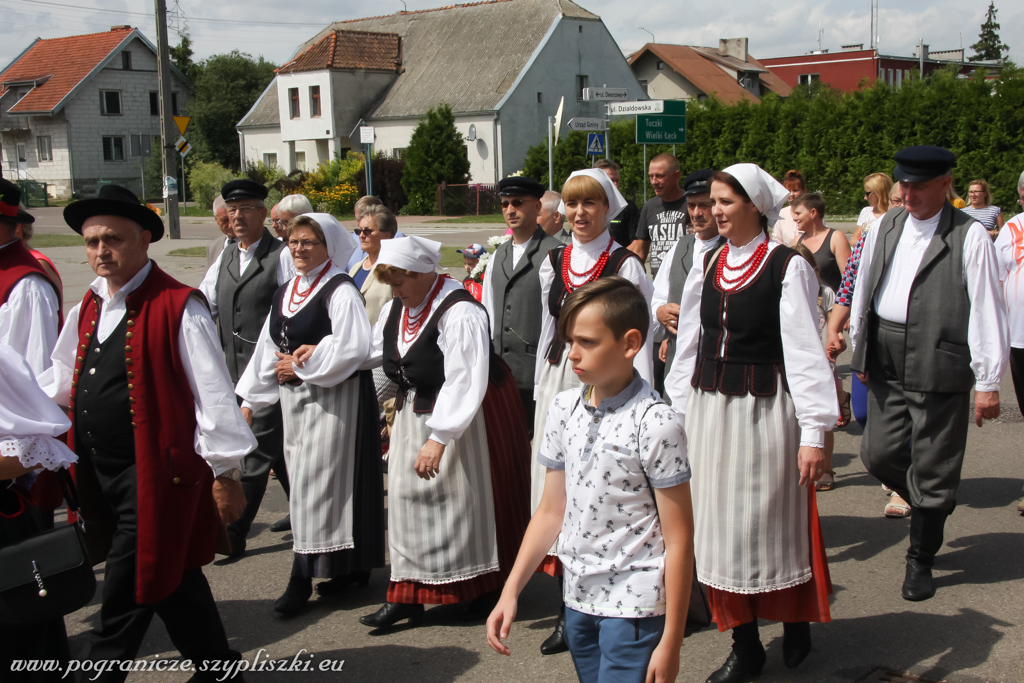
[
  {"x": 590, "y": 203},
  {"x": 756, "y": 390},
  {"x": 458, "y": 480},
  {"x": 309, "y": 356}
]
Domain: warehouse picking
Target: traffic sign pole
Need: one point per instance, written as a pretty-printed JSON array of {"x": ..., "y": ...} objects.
[{"x": 551, "y": 153}]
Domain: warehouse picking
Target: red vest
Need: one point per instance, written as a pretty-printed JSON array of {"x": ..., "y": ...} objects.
[
  {"x": 177, "y": 519},
  {"x": 16, "y": 263}
]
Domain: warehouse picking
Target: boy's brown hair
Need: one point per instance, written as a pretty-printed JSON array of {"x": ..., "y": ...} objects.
[
  {"x": 623, "y": 307},
  {"x": 812, "y": 201}
]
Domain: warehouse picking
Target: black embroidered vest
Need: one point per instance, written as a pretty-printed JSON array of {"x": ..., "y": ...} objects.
[{"x": 308, "y": 326}]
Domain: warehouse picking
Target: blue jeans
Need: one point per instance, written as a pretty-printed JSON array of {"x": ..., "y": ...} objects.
[{"x": 611, "y": 649}]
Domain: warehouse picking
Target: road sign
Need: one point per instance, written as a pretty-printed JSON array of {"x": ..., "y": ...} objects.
[
  {"x": 587, "y": 124},
  {"x": 671, "y": 107},
  {"x": 182, "y": 122},
  {"x": 595, "y": 144},
  {"x": 660, "y": 130},
  {"x": 605, "y": 94},
  {"x": 366, "y": 135},
  {"x": 181, "y": 144},
  {"x": 184, "y": 152}
]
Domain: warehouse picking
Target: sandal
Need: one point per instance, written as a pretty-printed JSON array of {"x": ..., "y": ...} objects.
[
  {"x": 826, "y": 485},
  {"x": 844, "y": 412},
  {"x": 897, "y": 510},
  {"x": 886, "y": 488}
]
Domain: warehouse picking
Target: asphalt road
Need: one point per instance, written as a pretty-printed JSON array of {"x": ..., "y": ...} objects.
[{"x": 966, "y": 634}]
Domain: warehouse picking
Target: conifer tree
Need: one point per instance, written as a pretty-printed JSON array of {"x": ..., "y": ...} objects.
[
  {"x": 989, "y": 46},
  {"x": 436, "y": 154}
]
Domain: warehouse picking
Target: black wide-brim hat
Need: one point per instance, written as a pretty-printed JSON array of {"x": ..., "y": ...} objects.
[
  {"x": 10, "y": 204},
  {"x": 114, "y": 200}
]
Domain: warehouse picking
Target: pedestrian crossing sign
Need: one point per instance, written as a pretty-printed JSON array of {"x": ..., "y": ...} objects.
[{"x": 595, "y": 144}]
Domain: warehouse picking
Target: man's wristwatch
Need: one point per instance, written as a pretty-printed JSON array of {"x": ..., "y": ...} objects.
[{"x": 232, "y": 474}]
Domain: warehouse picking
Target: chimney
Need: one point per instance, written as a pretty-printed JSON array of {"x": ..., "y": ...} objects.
[
  {"x": 121, "y": 27},
  {"x": 917, "y": 52},
  {"x": 853, "y": 48},
  {"x": 733, "y": 47}
]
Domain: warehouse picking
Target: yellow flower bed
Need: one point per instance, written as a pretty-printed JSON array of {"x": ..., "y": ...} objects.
[{"x": 336, "y": 200}]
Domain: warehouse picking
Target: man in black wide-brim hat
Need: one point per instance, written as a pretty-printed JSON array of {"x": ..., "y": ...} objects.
[{"x": 158, "y": 433}]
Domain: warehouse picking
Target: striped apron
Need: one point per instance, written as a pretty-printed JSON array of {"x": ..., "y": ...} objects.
[{"x": 554, "y": 379}]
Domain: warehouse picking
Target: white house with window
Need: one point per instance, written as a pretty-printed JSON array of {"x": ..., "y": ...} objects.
[
  {"x": 79, "y": 110},
  {"x": 503, "y": 67}
]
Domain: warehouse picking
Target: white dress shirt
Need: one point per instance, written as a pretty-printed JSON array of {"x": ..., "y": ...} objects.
[
  {"x": 1010, "y": 252},
  {"x": 285, "y": 271},
  {"x": 486, "y": 288},
  {"x": 465, "y": 341},
  {"x": 584, "y": 257},
  {"x": 222, "y": 436},
  {"x": 336, "y": 357},
  {"x": 987, "y": 335},
  {"x": 28, "y": 320},
  {"x": 518, "y": 250},
  {"x": 662, "y": 283},
  {"x": 808, "y": 374}
]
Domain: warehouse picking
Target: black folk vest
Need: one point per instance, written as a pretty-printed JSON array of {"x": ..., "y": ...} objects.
[
  {"x": 747, "y": 320},
  {"x": 311, "y": 324},
  {"x": 558, "y": 292}
]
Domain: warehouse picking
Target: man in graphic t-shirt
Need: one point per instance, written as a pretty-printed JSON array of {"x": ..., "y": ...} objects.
[{"x": 663, "y": 218}]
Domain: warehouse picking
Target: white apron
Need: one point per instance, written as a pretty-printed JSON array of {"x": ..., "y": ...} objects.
[{"x": 554, "y": 379}]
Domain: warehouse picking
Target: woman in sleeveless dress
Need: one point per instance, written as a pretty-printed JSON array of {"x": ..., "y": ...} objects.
[
  {"x": 877, "y": 190},
  {"x": 754, "y": 384},
  {"x": 458, "y": 477},
  {"x": 309, "y": 356}
]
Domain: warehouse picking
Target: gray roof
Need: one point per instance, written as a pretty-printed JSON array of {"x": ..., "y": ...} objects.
[
  {"x": 465, "y": 55},
  {"x": 265, "y": 112}
]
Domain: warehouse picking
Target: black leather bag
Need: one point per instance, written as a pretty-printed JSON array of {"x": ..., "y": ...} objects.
[{"x": 48, "y": 574}]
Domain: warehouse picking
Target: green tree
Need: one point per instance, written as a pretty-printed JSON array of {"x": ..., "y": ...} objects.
[
  {"x": 225, "y": 88},
  {"x": 182, "y": 56},
  {"x": 989, "y": 46},
  {"x": 436, "y": 154}
]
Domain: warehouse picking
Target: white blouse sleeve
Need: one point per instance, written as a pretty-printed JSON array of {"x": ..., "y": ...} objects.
[
  {"x": 988, "y": 334},
  {"x": 810, "y": 379},
  {"x": 209, "y": 284},
  {"x": 677, "y": 382},
  {"x": 286, "y": 266},
  {"x": 547, "y": 323},
  {"x": 56, "y": 381},
  {"x": 376, "y": 355},
  {"x": 465, "y": 342},
  {"x": 860, "y": 305},
  {"x": 339, "y": 356},
  {"x": 660, "y": 296},
  {"x": 32, "y": 313},
  {"x": 487, "y": 293},
  {"x": 258, "y": 385},
  {"x": 633, "y": 270},
  {"x": 222, "y": 436}
]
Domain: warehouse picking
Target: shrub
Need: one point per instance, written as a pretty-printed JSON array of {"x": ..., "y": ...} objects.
[
  {"x": 387, "y": 180},
  {"x": 205, "y": 181},
  {"x": 436, "y": 154}
]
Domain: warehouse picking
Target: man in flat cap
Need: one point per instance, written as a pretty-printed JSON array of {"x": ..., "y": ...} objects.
[
  {"x": 511, "y": 286},
  {"x": 158, "y": 434},
  {"x": 928, "y": 323},
  {"x": 688, "y": 250},
  {"x": 240, "y": 287},
  {"x": 29, "y": 300},
  {"x": 551, "y": 219}
]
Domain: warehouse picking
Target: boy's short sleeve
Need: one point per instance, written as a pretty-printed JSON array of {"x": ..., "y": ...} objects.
[
  {"x": 663, "y": 447},
  {"x": 552, "y": 454}
]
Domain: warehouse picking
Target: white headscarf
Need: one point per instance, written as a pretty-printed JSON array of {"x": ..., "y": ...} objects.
[
  {"x": 616, "y": 202},
  {"x": 413, "y": 253},
  {"x": 767, "y": 193},
  {"x": 341, "y": 243}
]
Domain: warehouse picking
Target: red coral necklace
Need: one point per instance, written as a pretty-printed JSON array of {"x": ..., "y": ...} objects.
[
  {"x": 411, "y": 324},
  {"x": 746, "y": 270},
  {"x": 590, "y": 274},
  {"x": 297, "y": 298}
]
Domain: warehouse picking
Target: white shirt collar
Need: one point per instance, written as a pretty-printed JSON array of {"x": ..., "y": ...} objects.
[
  {"x": 101, "y": 289},
  {"x": 520, "y": 247},
  {"x": 705, "y": 244},
  {"x": 595, "y": 246},
  {"x": 749, "y": 247}
]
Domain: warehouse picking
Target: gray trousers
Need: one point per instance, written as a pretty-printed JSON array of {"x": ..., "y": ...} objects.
[
  {"x": 914, "y": 441},
  {"x": 268, "y": 428}
]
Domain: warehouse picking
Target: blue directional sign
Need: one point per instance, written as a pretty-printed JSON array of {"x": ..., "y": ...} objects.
[{"x": 595, "y": 144}]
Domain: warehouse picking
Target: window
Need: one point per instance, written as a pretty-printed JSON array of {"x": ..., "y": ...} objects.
[
  {"x": 110, "y": 102},
  {"x": 174, "y": 104},
  {"x": 314, "y": 100},
  {"x": 807, "y": 79},
  {"x": 293, "y": 102},
  {"x": 22, "y": 154},
  {"x": 113, "y": 148},
  {"x": 44, "y": 146},
  {"x": 643, "y": 84},
  {"x": 540, "y": 98},
  {"x": 661, "y": 66},
  {"x": 270, "y": 159},
  {"x": 581, "y": 28},
  {"x": 154, "y": 104},
  {"x": 582, "y": 82},
  {"x": 398, "y": 153},
  {"x": 300, "y": 161},
  {"x": 126, "y": 60}
]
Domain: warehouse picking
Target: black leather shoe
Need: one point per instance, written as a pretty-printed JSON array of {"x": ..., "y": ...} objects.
[
  {"x": 237, "y": 543},
  {"x": 295, "y": 597},
  {"x": 481, "y": 606},
  {"x": 283, "y": 524},
  {"x": 391, "y": 613},
  {"x": 339, "y": 583},
  {"x": 796, "y": 643},
  {"x": 918, "y": 584},
  {"x": 738, "y": 669},
  {"x": 555, "y": 643}
]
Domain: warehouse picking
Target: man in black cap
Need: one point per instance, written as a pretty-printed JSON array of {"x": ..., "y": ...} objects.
[
  {"x": 511, "y": 286},
  {"x": 29, "y": 300},
  {"x": 158, "y": 434},
  {"x": 240, "y": 287},
  {"x": 928, "y": 323},
  {"x": 688, "y": 250}
]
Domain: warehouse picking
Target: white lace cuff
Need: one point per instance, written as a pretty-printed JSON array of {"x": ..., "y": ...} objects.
[{"x": 37, "y": 450}]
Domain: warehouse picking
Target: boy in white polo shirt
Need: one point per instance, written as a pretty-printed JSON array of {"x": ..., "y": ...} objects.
[{"x": 617, "y": 499}]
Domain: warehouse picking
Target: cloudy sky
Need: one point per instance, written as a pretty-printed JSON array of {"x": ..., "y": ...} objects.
[{"x": 775, "y": 27}]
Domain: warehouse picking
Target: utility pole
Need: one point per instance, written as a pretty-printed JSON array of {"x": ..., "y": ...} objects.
[
  {"x": 551, "y": 153},
  {"x": 167, "y": 125}
]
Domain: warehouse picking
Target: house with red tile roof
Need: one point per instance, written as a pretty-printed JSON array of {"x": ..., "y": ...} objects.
[
  {"x": 78, "y": 110},
  {"x": 504, "y": 66}
]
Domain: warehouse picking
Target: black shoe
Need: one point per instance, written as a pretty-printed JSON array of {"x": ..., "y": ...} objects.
[
  {"x": 295, "y": 597},
  {"x": 339, "y": 583},
  {"x": 481, "y": 606},
  {"x": 738, "y": 669},
  {"x": 918, "y": 584},
  {"x": 796, "y": 643},
  {"x": 391, "y": 613},
  {"x": 237, "y": 543},
  {"x": 555, "y": 643},
  {"x": 283, "y": 524}
]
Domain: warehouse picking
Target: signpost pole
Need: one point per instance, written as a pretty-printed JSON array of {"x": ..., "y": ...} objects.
[
  {"x": 645, "y": 174},
  {"x": 608, "y": 130},
  {"x": 369, "y": 169},
  {"x": 551, "y": 153},
  {"x": 167, "y": 125},
  {"x": 142, "y": 169}
]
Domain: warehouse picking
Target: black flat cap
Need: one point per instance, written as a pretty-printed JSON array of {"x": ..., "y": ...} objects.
[
  {"x": 243, "y": 189},
  {"x": 921, "y": 163},
  {"x": 520, "y": 186},
  {"x": 114, "y": 200},
  {"x": 10, "y": 204},
  {"x": 698, "y": 182}
]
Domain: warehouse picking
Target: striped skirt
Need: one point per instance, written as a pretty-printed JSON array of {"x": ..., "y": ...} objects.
[{"x": 554, "y": 379}]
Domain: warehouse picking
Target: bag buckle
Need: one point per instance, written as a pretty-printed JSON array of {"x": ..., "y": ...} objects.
[{"x": 39, "y": 579}]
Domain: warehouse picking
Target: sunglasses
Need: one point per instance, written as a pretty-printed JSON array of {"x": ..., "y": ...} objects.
[{"x": 365, "y": 232}]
